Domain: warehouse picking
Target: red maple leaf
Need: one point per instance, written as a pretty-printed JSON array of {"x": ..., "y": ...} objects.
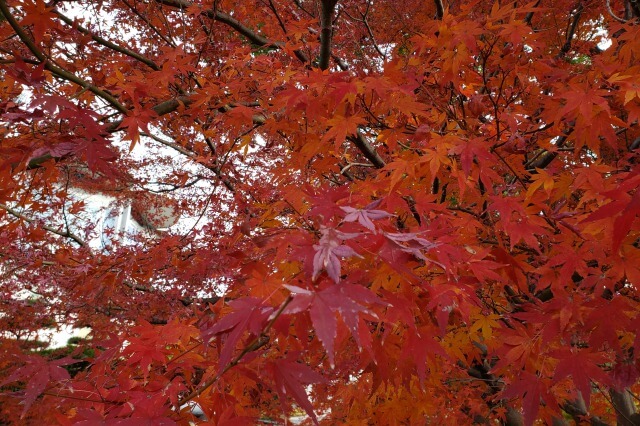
[
  {"x": 366, "y": 215},
  {"x": 624, "y": 209},
  {"x": 583, "y": 367},
  {"x": 38, "y": 373},
  {"x": 291, "y": 378},
  {"x": 328, "y": 250},
  {"x": 249, "y": 314},
  {"x": 347, "y": 299}
]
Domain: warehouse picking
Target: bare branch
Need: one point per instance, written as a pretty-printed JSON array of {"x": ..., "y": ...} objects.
[
  {"x": 326, "y": 32},
  {"x": 149, "y": 24},
  {"x": 277, "y": 15},
  {"x": 367, "y": 150},
  {"x": 365, "y": 22},
  {"x": 572, "y": 29},
  {"x": 439, "y": 9},
  {"x": 66, "y": 234},
  {"x": 529, "y": 16},
  {"x": 247, "y": 32},
  {"x": 612, "y": 13},
  {"x": 108, "y": 44}
]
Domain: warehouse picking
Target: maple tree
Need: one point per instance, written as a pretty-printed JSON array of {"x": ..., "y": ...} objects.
[{"x": 399, "y": 212}]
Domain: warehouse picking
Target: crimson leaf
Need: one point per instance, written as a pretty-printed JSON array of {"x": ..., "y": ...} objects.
[
  {"x": 37, "y": 373},
  {"x": 365, "y": 215},
  {"x": 347, "y": 299},
  {"x": 249, "y": 315},
  {"x": 290, "y": 378},
  {"x": 328, "y": 250}
]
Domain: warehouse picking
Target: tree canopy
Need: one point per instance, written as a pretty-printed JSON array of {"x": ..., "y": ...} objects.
[{"x": 391, "y": 211}]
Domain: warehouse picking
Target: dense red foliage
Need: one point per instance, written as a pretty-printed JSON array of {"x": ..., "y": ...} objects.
[{"x": 392, "y": 211}]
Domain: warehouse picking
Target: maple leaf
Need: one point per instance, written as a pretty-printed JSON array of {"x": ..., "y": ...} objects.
[
  {"x": 150, "y": 345},
  {"x": 413, "y": 244},
  {"x": 365, "y": 215},
  {"x": 341, "y": 127},
  {"x": 470, "y": 151},
  {"x": 516, "y": 222},
  {"x": 138, "y": 118},
  {"x": 38, "y": 373},
  {"x": 290, "y": 378},
  {"x": 347, "y": 299},
  {"x": 485, "y": 324},
  {"x": 328, "y": 250},
  {"x": 625, "y": 209},
  {"x": 249, "y": 314},
  {"x": 32, "y": 76},
  {"x": 98, "y": 154},
  {"x": 325, "y": 200},
  {"x": 419, "y": 347},
  {"x": 529, "y": 387},
  {"x": 585, "y": 100},
  {"x": 59, "y": 150},
  {"x": 583, "y": 367},
  {"x": 540, "y": 179}
]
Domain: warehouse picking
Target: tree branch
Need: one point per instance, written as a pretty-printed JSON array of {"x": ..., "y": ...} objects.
[
  {"x": 66, "y": 234},
  {"x": 529, "y": 16},
  {"x": 326, "y": 32},
  {"x": 106, "y": 43},
  {"x": 635, "y": 8},
  {"x": 150, "y": 24},
  {"x": 613, "y": 15},
  {"x": 439, "y": 9},
  {"x": 625, "y": 408},
  {"x": 252, "y": 346},
  {"x": 59, "y": 72},
  {"x": 572, "y": 30},
  {"x": 367, "y": 150},
  {"x": 243, "y": 30}
]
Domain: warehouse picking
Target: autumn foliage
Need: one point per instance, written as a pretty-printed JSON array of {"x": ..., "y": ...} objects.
[{"x": 391, "y": 212}]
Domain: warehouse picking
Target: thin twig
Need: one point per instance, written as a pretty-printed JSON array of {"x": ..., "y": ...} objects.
[
  {"x": 107, "y": 43},
  {"x": 348, "y": 166},
  {"x": 66, "y": 234}
]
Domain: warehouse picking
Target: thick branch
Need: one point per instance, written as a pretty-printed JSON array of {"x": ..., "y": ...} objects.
[
  {"x": 625, "y": 408},
  {"x": 572, "y": 30},
  {"x": 326, "y": 32},
  {"x": 481, "y": 371},
  {"x": 243, "y": 30},
  {"x": 529, "y": 16},
  {"x": 578, "y": 411},
  {"x": 635, "y": 7},
  {"x": 439, "y": 9},
  {"x": 367, "y": 150},
  {"x": 162, "y": 108}
]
